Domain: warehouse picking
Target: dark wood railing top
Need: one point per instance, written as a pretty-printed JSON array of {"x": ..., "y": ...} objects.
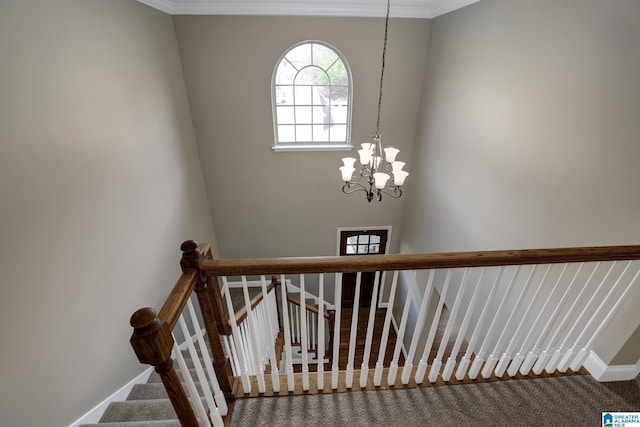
[
  {"x": 241, "y": 314},
  {"x": 308, "y": 307},
  {"x": 355, "y": 263}
]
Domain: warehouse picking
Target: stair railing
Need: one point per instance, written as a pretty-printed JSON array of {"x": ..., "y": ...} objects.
[
  {"x": 154, "y": 343},
  {"x": 492, "y": 314}
]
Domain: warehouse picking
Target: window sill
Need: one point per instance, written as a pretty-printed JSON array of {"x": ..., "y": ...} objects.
[{"x": 315, "y": 147}]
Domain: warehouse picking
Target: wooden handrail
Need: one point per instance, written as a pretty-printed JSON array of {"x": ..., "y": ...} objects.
[
  {"x": 242, "y": 313},
  {"x": 356, "y": 263},
  {"x": 177, "y": 299},
  {"x": 308, "y": 307}
]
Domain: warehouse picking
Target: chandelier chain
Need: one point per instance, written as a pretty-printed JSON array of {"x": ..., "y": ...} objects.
[{"x": 384, "y": 53}]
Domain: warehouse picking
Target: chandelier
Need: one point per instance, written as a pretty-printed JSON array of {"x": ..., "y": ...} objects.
[{"x": 380, "y": 172}]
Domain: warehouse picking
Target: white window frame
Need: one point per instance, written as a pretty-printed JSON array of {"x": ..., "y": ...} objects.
[{"x": 312, "y": 145}]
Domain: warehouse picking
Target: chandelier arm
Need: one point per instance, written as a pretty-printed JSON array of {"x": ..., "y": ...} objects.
[
  {"x": 347, "y": 188},
  {"x": 397, "y": 192}
]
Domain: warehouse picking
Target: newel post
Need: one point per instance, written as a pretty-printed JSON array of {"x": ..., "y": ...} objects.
[
  {"x": 212, "y": 314},
  {"x": 152, "y": 342}
]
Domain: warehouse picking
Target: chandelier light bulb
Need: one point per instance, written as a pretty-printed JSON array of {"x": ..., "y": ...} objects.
[
  {"x": 365, "y": 156},
  {"x": 397, "y": 166},
  {"x": 349, "y": 161},
  {"x": 381, "y": 179},
  {"x": 399, "y": 177},
  {"x": 347, "y": 172},
  {"x": 390, "y": 154}
]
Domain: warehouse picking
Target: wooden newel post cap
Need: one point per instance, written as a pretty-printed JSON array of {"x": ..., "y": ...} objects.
[
  {"x": 189, "y": 247},
  {"x": 144, "y": 321},
  {"x": 151, "y": 339}
]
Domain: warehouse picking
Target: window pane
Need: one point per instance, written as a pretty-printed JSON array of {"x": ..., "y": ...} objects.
[
  {"x": 362, "y": 249},
  {"x": 286, "y": 133},
  {"x": 322, "y": 116},
  {"x": 303, "y": 115},
  {"x": 339, "y": 95},
  {"x": 351, "y": 249},
  {"x": 312, "y": 76},
  {"x": 286, "y": 73},
  {"x": 323, "y": 56},
  {"x": 352, "y": 240},
  {"x": 285, "y": 115},
  {"x": 320, "y": 133},
  {"x": 300, "y": 56},
  {"x": 338, "y": 74},
  {"x": 284, "y": 95},
  {"x": 374, "y": 239},
  {"x": 363, "y": 238},
  {"x": 339, "y": 114},
  {"x": 303, "y": 95},
  {"x": 323, "y": 94},
  {"x": 338, "y": 133},
  {"x": 373, "y": 249},
  {"x": 303, "y": 133}
]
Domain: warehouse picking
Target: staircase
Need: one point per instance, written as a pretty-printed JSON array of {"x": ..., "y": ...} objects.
[
  {"x": 498, "y": 315},
  {"x": 147, "y": 405}
]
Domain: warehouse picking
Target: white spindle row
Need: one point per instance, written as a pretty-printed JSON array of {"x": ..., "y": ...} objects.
[
  {"x": 216, "y": 405},
  {"x": 525, "y": 319}
]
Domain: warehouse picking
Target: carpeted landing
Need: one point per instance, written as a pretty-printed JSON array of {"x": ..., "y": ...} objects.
[{"x": 564, "y": 401}]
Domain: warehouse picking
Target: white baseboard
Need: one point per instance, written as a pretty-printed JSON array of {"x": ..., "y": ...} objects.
[
  {"x": 602, "y": 372},
  {"x": 93, "y": 416}
]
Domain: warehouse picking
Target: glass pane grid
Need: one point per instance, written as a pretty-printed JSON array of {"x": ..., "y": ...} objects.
[{"x": 314, "y": 76}]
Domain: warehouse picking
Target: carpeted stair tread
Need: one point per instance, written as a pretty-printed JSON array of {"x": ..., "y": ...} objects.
[
  {"x": 154, "y": 391},
  {"x": 139, "y": 410},
  {"x": 157, "y": 423}
]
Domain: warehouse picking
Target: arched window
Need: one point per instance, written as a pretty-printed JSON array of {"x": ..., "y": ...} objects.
[{"x": 311, "y": 97}]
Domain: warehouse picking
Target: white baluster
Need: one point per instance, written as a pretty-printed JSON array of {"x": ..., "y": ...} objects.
[
  {"x": 479, "y": 359},
  {"x": 231, "y": 351},
  {"x": 547, "y": 352},
  {"x": 364, "y": 370},
  {"x": 587, "y": 313},
  {"x": 275, "y": 378},
  {"x": 531, "y": 357},
  {"x": 422, "y": 314},
  {"x": 255, "y": 341},
  {"x": 503, "y": 363},
  {"x": 560, "y": 351},
  {"x": 311, "y": 318},
  {"x": 321, "y": 337},
  {"x": 244, "y": 374},
  {"x": 583, "y": 354},
  {"x": 221, "y": 402},
  {"x": 422, "y": 365},
  {"x": 517, "y": 360},
  {"x": 191, "y": 387},
  {"x": 437, "y": 363},
  {"x": 393, "y": 367},
  {"x": 304, "y": 339},
  {"x": 491, "y": 361},
  {"x": 202, "y": 379},
  {"x": 287, "y": 333},
  {"x": 337, "y": 301},
  {"x": 464, "y": 362},
  {"x": 377, "y": 376},
  {"x": 353, "y": 332}
]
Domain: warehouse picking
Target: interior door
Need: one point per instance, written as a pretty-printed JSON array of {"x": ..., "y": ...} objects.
[{"x": 360, "y": 242}]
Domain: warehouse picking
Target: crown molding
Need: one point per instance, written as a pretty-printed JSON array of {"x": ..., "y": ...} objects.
[{"x": 366, "y": 8}]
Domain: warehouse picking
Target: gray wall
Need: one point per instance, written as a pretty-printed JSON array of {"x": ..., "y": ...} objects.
[
  {"x": 100, "y": 182},
  {"x": 528, "y": 133},
  {"x": 290, "y": 204}
]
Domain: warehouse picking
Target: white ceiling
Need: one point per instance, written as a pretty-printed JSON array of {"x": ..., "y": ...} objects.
[{"x": 399, "y": 8}]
